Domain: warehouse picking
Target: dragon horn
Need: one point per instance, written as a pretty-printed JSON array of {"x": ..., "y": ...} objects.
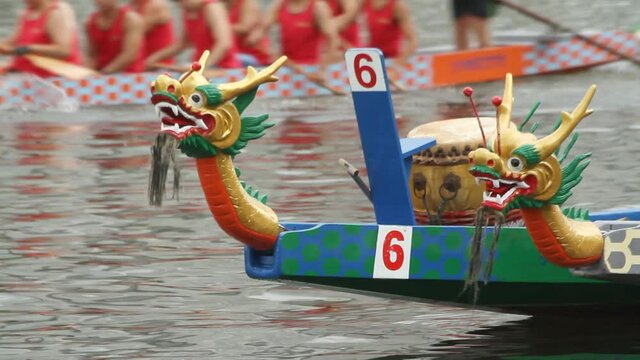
[
  {"x": 504, "y": 110},
  {"x": 203, "y": 61},
  {"x": 547, "y": 145},
  {"x": 252, "y": 80}
]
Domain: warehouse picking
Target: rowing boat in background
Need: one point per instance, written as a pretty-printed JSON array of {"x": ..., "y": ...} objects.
[{"x": 521, "y": 55}]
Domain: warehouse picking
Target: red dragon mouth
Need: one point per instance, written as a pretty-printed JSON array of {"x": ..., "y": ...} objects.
[
  {"x": 499, "y": 192},
  {"x": 178, "y": 119}
]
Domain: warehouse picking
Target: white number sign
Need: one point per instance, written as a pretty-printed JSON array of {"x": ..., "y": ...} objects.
[
  {"x": 365, "y": 70},
  {"x": 393, "y": 252}
]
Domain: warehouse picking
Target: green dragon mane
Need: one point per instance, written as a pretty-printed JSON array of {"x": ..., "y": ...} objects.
[
  {"x": 252, "y": 127},
  {"x": 571, "y": 176}
]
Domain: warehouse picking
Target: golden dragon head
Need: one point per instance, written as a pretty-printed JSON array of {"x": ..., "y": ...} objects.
[
  {"x": 519, "y": 169},
  {"x": 205, "y": 116}
]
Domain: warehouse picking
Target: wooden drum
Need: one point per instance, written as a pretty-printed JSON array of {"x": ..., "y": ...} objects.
[{"x": 442, "y": 189}]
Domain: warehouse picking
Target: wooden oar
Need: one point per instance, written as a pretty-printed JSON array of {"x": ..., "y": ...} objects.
[
  {"x": 61, "y": 68},
  {"x": 4, "y": 67},
  {"x": 314, "y": 79},
  {"x": 169, "y": 67},
  {"x": 392, "y": 76},
  {"x": 209, "y": 73},
  {"x": 399, "y": 87},
  {"x": 561, "y": 27},
  {"x": 293, "y": 65}
]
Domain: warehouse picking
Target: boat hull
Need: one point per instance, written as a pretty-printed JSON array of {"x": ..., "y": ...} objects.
[
  {"x": 423, "y": 71},
  {"x": 519, "y": 297},
  {"x": 432, "y": 267}
]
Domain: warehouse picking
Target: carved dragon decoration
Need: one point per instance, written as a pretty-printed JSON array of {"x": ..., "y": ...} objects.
[
  {"x": 521, "y": 171},
  {"x": 207, "y": 121}
]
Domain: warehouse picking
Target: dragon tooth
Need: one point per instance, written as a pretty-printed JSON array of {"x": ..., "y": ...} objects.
[
  {"x": 182, "y": 112},
  {"x": 477, "y": 181},
  {"x": 158, "y": 110},
  {"x": 495, "y": 183},
  {"x": 174, "y": 109},
  {"x": 201, "y": 124}
]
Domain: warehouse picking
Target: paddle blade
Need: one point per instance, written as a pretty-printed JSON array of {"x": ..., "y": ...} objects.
[
  {"x": 37, "y": 94},
  {"x": 61, "y": 68}
]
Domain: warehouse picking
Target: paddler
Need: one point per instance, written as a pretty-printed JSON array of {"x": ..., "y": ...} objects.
[
  {"x": 205, "y": 27},
  {"x": 391, "y": 29},
  {"x": 304, "y": 25},
  {"x": 245, "y": 16},
  {"x": 471, "y": 15},
  {"x": 345, "y": 17},
  {"x": 46, "y": 28},
  {"x": 115, "y": 37},
  {"x": 158, "y": 25}
]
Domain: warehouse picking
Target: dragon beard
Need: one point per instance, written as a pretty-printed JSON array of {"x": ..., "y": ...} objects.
[
  {"x": 483, "y": 218},
  {"x": 163, "y": 155}
]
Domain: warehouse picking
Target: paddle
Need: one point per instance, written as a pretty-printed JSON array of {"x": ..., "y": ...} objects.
[
  {"x": 170, "y": 67},
  {"x": 314, "y": 79},
  {"x": 294, "y": 66},
  {"x": 209, "y": 73},
  {"x": 4, "y": 67},
  {"x": 393, "y": 74},
  {"x": 561, "y": 27},
  {"x": 61, "y": 68}
]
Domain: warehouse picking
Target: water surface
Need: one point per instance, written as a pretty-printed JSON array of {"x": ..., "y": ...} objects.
[{"x": 88, "y": 270}]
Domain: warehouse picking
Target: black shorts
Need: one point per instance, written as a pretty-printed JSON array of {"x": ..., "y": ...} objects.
[{"x": 470, "y": 7}]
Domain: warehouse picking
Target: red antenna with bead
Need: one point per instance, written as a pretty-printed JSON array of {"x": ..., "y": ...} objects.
[
  {"x": 195, "y": 66},
  {"x": 497, "y": 101},
  {"x": 468, "y": 92}
]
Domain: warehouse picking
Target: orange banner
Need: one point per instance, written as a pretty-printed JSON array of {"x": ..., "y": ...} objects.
[{"x": 478, "y": 65}]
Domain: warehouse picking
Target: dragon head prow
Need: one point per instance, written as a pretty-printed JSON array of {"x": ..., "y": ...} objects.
[
  {"x": 206, "y": 119},
  {"x": 521, "y": 170},
  {"x": 191, "y": 106}
]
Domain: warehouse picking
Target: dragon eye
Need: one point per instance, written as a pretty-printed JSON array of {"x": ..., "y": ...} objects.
[
  {"x": 515, "y": 164},
  {"x": 196, "y": 100}
]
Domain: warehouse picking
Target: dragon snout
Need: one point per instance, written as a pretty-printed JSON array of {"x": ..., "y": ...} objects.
[
  {"x": 165, "y": 83},
  {"x": 483, "y": 157}
]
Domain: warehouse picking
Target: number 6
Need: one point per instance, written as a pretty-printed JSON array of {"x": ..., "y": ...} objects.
[
  {"x": 359, "y": 69},
  {"x": 388, "y": 248}
]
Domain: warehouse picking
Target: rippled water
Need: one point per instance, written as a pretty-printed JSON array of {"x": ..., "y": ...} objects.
[{"x": 88, "y": 270}]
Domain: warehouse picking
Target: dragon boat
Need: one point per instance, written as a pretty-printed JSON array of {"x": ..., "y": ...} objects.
[
  {"x": 519, "y": 54},
  {"x": 542, "y": 257}
]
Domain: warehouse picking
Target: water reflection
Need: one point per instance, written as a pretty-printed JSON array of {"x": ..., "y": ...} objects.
[
  {"x": 593, "y": 337},
  {"x": 89, "y": 270}
]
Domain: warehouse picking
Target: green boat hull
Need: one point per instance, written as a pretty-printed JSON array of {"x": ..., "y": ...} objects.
[
  {"x": 527, "y": 297},
  {"x": 434, "y": 267}
]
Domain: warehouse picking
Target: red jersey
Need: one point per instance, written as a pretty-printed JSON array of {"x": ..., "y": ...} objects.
[
  {"x": 259, "y": 50},
  {"x": 301, "y": 38},
  {"x": 384, "y": 30},
  {"x": 199, "y": 34},
  {"x": 158, "y": 37},
  {"x": 350, "y": 34},
  {"x": 108, "y": 42},
  {"x": 32, "y": 30}
]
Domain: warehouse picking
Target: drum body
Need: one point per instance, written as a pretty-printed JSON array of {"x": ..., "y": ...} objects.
[{"x": 442, "y": 189}]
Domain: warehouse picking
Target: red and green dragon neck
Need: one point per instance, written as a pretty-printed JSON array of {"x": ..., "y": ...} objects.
[
  {"x": 521, "y": 171},
  {"x": 207, "y": 120}
]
